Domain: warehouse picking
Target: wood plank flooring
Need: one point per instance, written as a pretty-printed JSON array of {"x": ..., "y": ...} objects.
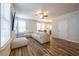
[{"x": 56, "y": 47}]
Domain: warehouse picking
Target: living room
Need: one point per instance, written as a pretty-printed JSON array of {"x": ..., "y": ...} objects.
[{"x": 39, "y": 29}]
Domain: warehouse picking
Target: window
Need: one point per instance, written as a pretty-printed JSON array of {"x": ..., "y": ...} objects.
[
  {"x": 16, "y": 25},
  {"x": 5, "y": 23},
  {"x": 21, "y": 26},
  {"x": 40, "y": 26}
]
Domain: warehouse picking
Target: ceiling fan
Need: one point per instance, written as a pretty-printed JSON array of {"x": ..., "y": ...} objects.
[{"x": 42, "y": 14}]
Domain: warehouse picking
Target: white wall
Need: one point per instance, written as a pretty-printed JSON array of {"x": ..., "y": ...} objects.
[
  {"x": 0, "y": 7},
  {"x": 0, "y": 24},
  {"x": 67, "y": 27}
]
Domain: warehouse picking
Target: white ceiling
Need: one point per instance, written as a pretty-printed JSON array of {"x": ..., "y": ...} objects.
[{"x": 28, "y": 10}]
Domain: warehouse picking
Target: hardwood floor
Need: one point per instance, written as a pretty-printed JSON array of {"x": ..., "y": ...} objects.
[{"x": 56, "y": 47}]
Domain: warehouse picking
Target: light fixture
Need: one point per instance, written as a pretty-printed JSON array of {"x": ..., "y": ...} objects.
[{"x": 42, "y": 14}]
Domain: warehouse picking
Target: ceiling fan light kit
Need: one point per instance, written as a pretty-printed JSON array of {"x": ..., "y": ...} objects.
[{"x": 42, "y": 14}]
